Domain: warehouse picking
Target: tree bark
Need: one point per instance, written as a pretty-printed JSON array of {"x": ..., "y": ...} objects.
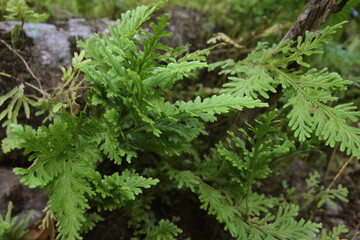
[{"x": 315, "y": 13}]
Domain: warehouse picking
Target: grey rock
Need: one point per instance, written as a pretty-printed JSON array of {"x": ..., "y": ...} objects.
[{"x": 24, "y": 199}]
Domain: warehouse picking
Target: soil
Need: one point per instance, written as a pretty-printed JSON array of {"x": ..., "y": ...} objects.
[{"x": 12, "y": 65}]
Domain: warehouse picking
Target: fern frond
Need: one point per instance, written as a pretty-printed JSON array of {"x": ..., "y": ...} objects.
[
  {"x": 185, "y": 178},
  {"x": 323, "y": 80},
  {"x": 256, "y": 204},
  {"x": 130, "y": 21},
  {"x": 281, "y": 226},
  {"x": 165, "y": 230},
  {"x": 216, "y": 204},
  {"x": 12, "y": 110},
  {"x": 328, "y": 195},
  {"x": 329, "y": 123},
  {"x": 11, "y": 228},
  {"x": 334, "y": 234},
  {"x": 301, "y": 121},
  {"x": 64, "y": 156},
  {"x": 90, "y": 223},
  {"x": 116, "y": 189},
  {"x": 251, "y": 85},
  {"x": 115, "y": 151},
  {"x": 68, "y": 201},
  {"x": 285, "y": 227},
  {"x": 309, "y": 91},
  {"x": 165, "y": 77},
  {"x": 207, "y": 108},
  {"x": 19, "y": 10},
  {"x": 17, "y": 137}
]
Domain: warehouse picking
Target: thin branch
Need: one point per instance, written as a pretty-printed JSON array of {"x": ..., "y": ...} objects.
[
  {"x": 339, "y": 173},
  {"x": 331, "y": 185},
  {"x": 315, "y": 13},
  {"x": 331, "y": 161},
  {"x": 40, "y": 89},
  {"x": 22, "y": 81}
]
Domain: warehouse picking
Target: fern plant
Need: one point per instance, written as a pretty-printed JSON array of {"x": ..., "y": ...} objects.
[
  {"x": 128, "y": 115},
  {"x": 165, "y": 230},
  {"x": 19, "y": 10},
  {"x": 129, "y": 137},
  {"x": 12, "y": 110},
  {"x": 308, "y": 91},
  {"x": 316, "y": 193},
  {"x": 225, "y": 185},
  {"x": 11, "y": 228}
]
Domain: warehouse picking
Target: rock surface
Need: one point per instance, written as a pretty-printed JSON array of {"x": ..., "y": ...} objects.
[{"x": 23, "y": 198}]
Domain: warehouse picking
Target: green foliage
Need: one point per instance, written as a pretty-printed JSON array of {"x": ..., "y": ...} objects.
[
  {"x": 19, "y": 10},
  {"x": 65, "y": 160},
  {"x": 11, "y": 229},
  {"x": 225, "y": 183},
  {"x": 128, "y": 85},
  {"x": 63, "y": 9},
  {"x": 116, "y": 189},
  {"x": 130, "y": 139},
  {"x": 308, "y": 92},
  {"x": 340, "y": 58},
  {"x": 243, "y": 15},
  {"x": 91, "y": 220},
  {"x": 316, "y": 194},
  {"x": 163, "y": 231},
  {"x": 2, "y": 8},
  {"x": 343, "y": 15},
  {"x": 65, "y": 96},
  {"x": 12, "y": 110},
  {"x": 334, "y": 234},
  {"x": 66, "y": 157},
  {"x": 128, "y": 76}
]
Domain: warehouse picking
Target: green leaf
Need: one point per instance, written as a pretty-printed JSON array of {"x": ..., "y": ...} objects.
[
  {"x": 165, "y": 77},
  {"x": 11, "y": 228},
  {"x": 15, "y": 139},
  {"x": 130, "y": 21},
  {"x": 334, "y": 234},
  {"x": 250, "y": 81},
  {"x": 116, "y": 189},
  {"x": 165, "y": 230},
  {"x": 8, "y": 95},
  {"x": 207, "y": 108},
  {"x": 186, "y": 178},
  {"x": 26, "y": 108},
  {"x": 300, "y": 119},
  {"x": 68, "y": 200}
]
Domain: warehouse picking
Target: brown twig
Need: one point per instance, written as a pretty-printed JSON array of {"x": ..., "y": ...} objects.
[
  {"x": 313, "y": 212},
  {"x": 332, "y": 159},
  {"x": 339, "y": 173},
  {"x": 40, "y": 89},
  {"x": 21, "y": 81}
]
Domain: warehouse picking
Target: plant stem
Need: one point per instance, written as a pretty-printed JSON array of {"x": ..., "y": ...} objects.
[
  {"x": 40, "y": 89},
  {"x": 332, "y": 159},
  {"x": 331, "y": 185},
  {"x": 22, "y": 81},
  {"x": 340, "y": 172}
]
